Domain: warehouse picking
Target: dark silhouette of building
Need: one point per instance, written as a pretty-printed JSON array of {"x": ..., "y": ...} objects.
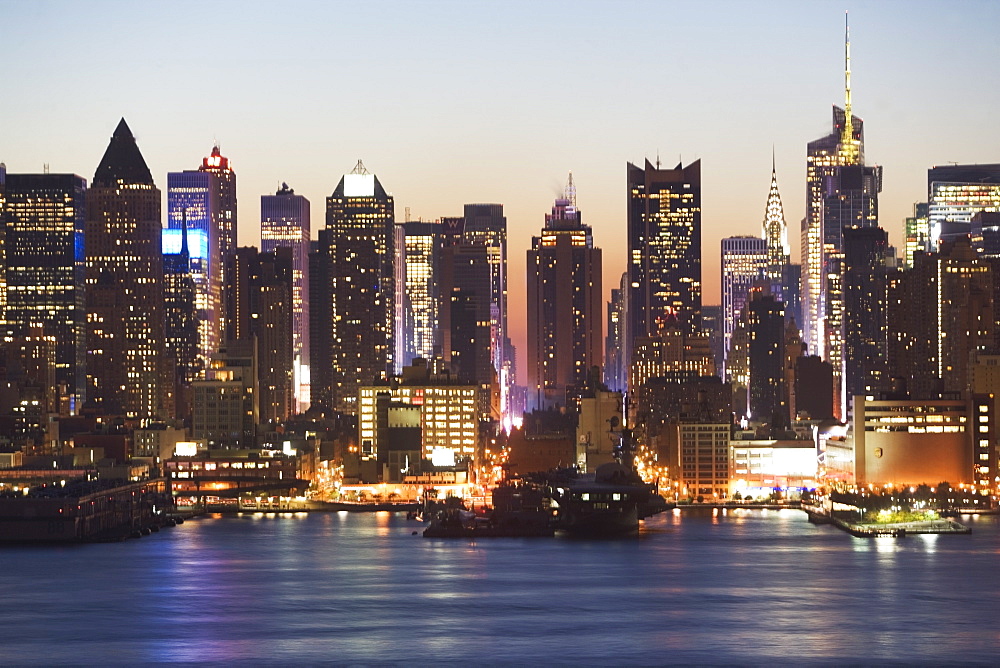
[
  {"x": 126, "y": 368},
  {"x": 766, "y": 325},
  {"x": 941, "y": 313},
  {"x": 43, "y": 264},
  {"x": 259, "y": 304},
  {"x": 615, "y": 358},
  {"x": 813, "y": 388},
  {"x": 865, "y": 326},
  {"x": 464, "y": 308},
  {"x": 564, "y": 305}
]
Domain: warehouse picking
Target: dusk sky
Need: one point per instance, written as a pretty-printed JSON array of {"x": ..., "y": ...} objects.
[{"x": 456, "y": 102}]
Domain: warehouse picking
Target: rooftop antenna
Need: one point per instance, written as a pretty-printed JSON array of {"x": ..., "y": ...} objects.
[
  {"x": 657, "y": 158},
  {"x": 45, "y": 168},
  {"x": 359, "y": 168},
  {"x": 570, "y": 192}
]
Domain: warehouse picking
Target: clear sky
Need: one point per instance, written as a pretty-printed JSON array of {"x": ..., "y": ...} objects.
[{"x": 458, "y": 101}]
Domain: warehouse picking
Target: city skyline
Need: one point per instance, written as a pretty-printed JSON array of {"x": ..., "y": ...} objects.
[{"x": 459, "y": 121}]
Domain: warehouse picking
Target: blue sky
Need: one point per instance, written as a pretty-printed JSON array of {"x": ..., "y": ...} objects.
[{"x": 455, "y": 102}]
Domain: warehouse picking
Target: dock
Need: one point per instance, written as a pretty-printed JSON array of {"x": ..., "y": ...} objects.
[{"x": 819, "y": 515}]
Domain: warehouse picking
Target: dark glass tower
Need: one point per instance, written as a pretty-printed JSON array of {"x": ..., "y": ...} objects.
[
  {"x": 260, "y": 307},
  {"x": 664, "y": 236},
  {"x": 485, "y": 225},
  {"x": 360, "y": 245},
  {"x": 125, "y": 362},
  {"x": 865, "y": 294},
  {"x": 44, "y": 269}
]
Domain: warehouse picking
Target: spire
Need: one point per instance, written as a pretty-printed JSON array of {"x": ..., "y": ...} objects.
[
  {"x": 122, "y": 161},
  {"x": 775, "y": 229},
  {"x": 847, "y": 144}
]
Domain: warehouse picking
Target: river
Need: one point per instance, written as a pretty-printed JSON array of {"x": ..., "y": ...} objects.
[{"x": 745, "y": 587}]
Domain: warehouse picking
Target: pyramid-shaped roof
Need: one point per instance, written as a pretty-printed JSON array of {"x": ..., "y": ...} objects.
[{"x": 122, "y": 162}]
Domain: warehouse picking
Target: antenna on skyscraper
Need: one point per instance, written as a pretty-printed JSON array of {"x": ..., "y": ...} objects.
[
  {"x": 45, "y": 168},
  {"x": 570, "y": 192},
  {"x": 359, "y": 168}
]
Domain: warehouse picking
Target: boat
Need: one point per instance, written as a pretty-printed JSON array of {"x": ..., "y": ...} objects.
[
  {"x": 520, "y": 510},
  {"x": 610, "y": 505}
]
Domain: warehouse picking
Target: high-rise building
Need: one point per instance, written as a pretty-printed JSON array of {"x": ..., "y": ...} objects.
[
  {"x": 226, "y": 408},
  {"x": 941, "y": 314},
  {"x": 615, "y": 372},
  {"x": 284, "y": 223},
  {"x": 193, "y": 209},
  {"x": 260, "y": 306},
  {"x": 43, "y": 264},
  {"x": 225, "y": 184},
  {"x": 842, "y": 192},
  {"x": 465, "y": 320},
  {"x": 564, "y": 305},
  {"x": 358, "y": 339},
  {"x": 126, "y": 371},
  {"x": 865, "y": 293},
  {"x": 485, "y": 225},
  {"x": 916, "y": 234},
  {"x": 746, "y": 262},
  {"x": 955, "y": 193},
  {"x": 420, "y": 251},
  {"x": 767, "y": 392},
  {"x": 180, "y": 311},
  {"x": 664, "y": 243}
]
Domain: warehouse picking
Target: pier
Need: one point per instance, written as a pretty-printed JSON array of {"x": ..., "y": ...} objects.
[{"x": 818, "y": 515}]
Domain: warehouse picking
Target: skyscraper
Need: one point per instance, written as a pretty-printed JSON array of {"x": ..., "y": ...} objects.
[
  {"x": 284, "y": 222},
  {"x": 259, "y": 289},
  {"x": 865, "y": 293},
  {"x": 180, "y": 312},
  {"x": 615, "y": 372},
  {"x": 225, "y": 184},
  {"x": 776, "y": 236},
  {"x": 193, "y": 207},
  {"x": 825, "y": 158},
  {"x": 916, "y": 234},
  {"x": 664, "y": 243},
  {"x": 360, "y": 246},
  {"x": 766, "y": 327},
  {"x": 124, "y": 274},
  {"x": 564, "y": 305},
  {"x": 841, "y": 192},
  {"x": 465, "y": 320},
  {"x": 746, "y": 262},
  {"x": 955, "y": 194},
  {"x": 44, "y": 269},
  {"x": 486, "y": 225},
  {"x": 421, "y": 250}
]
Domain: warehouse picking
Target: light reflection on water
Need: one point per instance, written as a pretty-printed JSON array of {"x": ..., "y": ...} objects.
[{"x": 696, "y": 587}]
